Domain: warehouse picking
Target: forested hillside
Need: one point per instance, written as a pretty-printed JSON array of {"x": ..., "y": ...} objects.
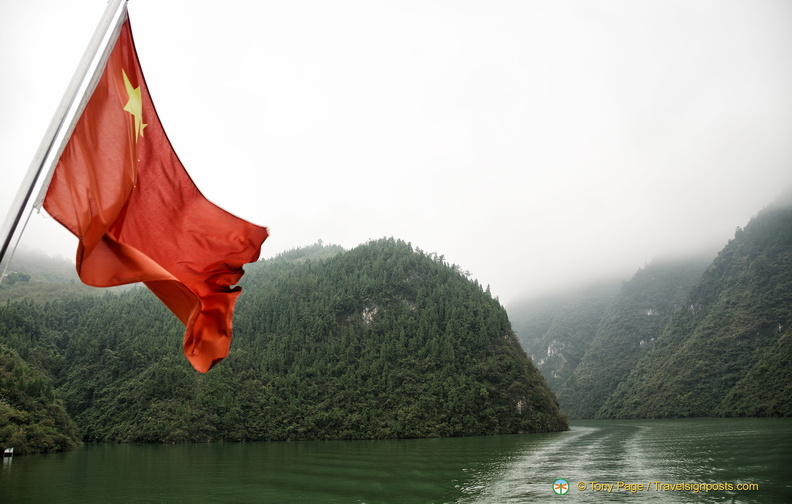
[
  {"x": 32, "y": 420},
  {"x": 683, "y": 338},
  {"x": 555, "y": 331},
  {"x": 730, "y": 341},
  {"x": 627, "y": 330},
  {"x": 382, "y": 341}
]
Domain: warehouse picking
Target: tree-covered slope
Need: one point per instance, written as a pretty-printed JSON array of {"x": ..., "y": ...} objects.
[
  {"x": 32, "y": 419},
  {"x": 766, "y": 388},
  {"x": 555, "y": 331},
  {"x": 730, "y": 340},
  {"x": 426, "y": 351},
  {"x": 627, "y": 331},
  {"x": 377, "y": 342}
]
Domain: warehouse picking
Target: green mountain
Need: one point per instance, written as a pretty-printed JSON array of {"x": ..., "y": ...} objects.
[
  {"x": 32, "y": 420},
  {"x": 627, "y": 330},
  {"x": 382, "y": 341},
  {"x": 688, "y": 337},
  {"x": 555, "y": 331},
  {"x": 727, "y": 352},
  {"x": 767, "y": 386}
]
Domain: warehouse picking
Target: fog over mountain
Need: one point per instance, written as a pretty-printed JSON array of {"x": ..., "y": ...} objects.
[{"x": 535, "y": 144}]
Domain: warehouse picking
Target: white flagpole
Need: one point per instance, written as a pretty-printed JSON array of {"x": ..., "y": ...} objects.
[{"x": 60, "y": 128}]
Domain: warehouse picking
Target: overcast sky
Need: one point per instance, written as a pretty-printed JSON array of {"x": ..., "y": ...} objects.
[{"x": 536, "y": 144}]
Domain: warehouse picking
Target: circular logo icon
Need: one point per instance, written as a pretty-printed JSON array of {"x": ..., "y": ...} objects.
[{"x": 560, "y": 486}]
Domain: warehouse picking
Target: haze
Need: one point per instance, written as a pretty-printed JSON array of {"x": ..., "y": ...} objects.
[{"x": 535, "y": 144}]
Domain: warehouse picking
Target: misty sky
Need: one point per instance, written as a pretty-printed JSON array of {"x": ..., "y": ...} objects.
[{"x": 535, "y": 144}]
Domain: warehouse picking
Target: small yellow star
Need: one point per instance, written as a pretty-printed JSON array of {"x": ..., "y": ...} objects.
[{"x": 134, "y": 106}]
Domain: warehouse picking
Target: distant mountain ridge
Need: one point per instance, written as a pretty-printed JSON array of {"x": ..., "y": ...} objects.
[
  {"x": 555, "y": 331},
  {"x": 690, "y": 337},
  {"x": 628, "y": 329},
  {"x": 38, "y": 277},
  {"x": 733, "y": 329}
]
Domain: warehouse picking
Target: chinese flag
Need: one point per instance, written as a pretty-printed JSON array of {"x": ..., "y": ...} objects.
[{"x": 121, "y": 189}]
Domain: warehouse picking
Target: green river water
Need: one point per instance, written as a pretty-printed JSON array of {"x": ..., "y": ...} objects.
[{"x": 741, "y": 460}]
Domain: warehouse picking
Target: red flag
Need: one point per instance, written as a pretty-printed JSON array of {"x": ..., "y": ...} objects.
[{"x": 121, "y": 189}]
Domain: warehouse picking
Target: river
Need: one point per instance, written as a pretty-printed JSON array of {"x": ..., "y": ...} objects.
[{"x": 691, "y": 460}]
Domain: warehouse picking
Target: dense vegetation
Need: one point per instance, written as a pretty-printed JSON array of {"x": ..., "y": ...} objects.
[
  {"x": 386, "y": 341},
  {"x": 767, "y": 386},
  {"x": 382, "y": 341},
  {"x": 683, "y": 338},
  {"x": 627, "y": 330},
  {"x": 730, "y": 341},
  {"x": 556, "y": 330},
  {"x": 32, "y": 420}
]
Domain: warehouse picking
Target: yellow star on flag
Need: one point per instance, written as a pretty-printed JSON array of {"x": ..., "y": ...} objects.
[{"x": 134, "y": 106}]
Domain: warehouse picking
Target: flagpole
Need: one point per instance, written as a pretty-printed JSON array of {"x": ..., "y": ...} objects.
[{"x": 60, "y": 128}]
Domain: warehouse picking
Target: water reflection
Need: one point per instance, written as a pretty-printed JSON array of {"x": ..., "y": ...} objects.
[
  {"x": 499, "y": 469},
  {"x": 598, "y": 454}
]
